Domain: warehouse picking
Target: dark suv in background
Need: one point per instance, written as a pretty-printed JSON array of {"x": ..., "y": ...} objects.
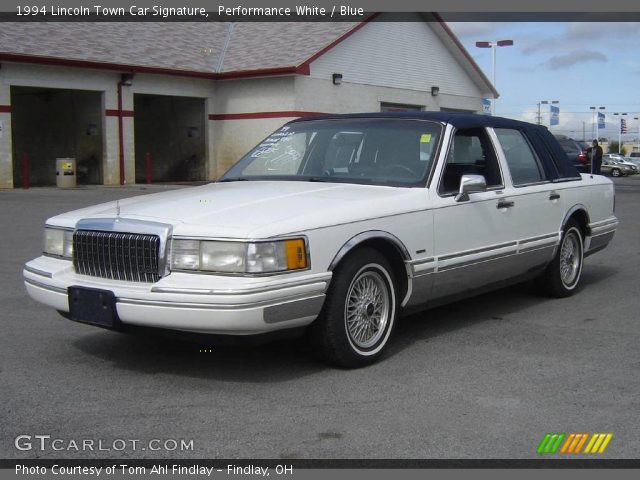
[{"x": 576, "y": 151}]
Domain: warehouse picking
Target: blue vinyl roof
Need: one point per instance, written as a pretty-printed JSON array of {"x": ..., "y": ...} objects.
[
  {"x": 457, "y": 119},
  {"x": 557, "y": 165}
]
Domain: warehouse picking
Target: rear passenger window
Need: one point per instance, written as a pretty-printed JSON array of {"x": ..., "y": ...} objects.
[
  {"x": 523, "y": 162},
  {"x": 471, "y": 152}
]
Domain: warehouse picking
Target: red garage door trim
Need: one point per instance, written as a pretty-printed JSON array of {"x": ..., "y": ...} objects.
[
  {"x": 5, "y": 108},
  {"x": 257, "y": 115},
  {"x": 115, "y": 113}
]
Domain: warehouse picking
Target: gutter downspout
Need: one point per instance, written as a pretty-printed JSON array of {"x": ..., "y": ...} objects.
[
  {"x": 121, "y": 133},
  {"x": 225, "y": 47}
]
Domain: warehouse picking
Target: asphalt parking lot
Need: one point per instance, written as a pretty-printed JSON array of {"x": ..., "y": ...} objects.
[{"x": 482, "y": 378}]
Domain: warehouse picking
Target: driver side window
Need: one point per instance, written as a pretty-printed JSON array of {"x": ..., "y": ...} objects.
[{"x": 471, "y": 153}]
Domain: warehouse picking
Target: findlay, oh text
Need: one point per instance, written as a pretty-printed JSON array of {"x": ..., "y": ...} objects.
[{"x": 155, "y": 470}]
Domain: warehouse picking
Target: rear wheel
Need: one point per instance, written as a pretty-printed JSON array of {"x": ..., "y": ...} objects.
[
  {"x": 615, "y": 172},
  {"x": 359, "y": 314},
  {"x": 562, "y": 276}
]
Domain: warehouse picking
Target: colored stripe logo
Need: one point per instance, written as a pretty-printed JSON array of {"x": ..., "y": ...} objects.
[{"x": 573, "y": 443}]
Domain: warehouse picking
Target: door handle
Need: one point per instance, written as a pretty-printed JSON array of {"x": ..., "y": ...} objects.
[
  {"x": 505, "y": 204},
  {"x": 554, "y": 196}
]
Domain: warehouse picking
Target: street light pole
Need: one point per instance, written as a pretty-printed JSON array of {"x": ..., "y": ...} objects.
[
  {"x": 638, "y": 118},
  {"x": 595, "y": 125},
  {"x": 492, "y": 44}
]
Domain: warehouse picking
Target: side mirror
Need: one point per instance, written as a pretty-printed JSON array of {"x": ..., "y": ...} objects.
[{"x": 470, "y": 184}]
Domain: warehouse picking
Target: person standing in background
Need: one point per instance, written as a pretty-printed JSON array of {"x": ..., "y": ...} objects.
[{"x": 594, "y": 153}]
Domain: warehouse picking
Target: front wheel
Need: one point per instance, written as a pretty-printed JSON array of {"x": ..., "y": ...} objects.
[
  {"x": 615, "y": 172},
  {"x": 359, "y": 314},
  {"x": 562, "y": 276}
]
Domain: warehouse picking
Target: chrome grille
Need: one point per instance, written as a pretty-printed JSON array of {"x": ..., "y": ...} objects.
[{"x": 116, "y": 255}]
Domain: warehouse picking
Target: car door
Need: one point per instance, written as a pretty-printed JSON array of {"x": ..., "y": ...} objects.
[
  {"x": 474, "y": 240},
  {"x": 540, "y": 203}
]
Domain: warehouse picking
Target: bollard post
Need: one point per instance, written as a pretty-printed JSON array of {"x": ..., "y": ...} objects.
[
  {"x": 25, "y": 170},
  {"x": 147, "y": 166}
]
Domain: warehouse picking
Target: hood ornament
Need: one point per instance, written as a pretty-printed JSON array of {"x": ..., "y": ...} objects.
[{"x": 118, "y": 208}]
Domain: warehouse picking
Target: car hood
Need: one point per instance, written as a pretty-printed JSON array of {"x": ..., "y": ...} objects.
[{"x": 257, "y": 209}]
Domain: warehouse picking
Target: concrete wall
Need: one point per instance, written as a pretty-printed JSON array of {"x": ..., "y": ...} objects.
[
  {"x": 233, "y": 138},
  {"x": 319, "y": 95}
]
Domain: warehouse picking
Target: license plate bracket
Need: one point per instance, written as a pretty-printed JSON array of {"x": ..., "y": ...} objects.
[{"x": 93, "y": 306}]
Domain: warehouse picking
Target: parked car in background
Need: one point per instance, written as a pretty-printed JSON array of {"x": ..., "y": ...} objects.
[
  {"x": 615, "y": 168},
  {"x": 576, "y": 151},
  {"x": 634, "y": 154},
  {"x": 337, "y": 225},
  {"x": 621, "y": 160},
  {"x": 634, "y": 160}
]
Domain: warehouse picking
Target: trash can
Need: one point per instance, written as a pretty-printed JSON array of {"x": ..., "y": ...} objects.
[{"x": 65, "y": 172}]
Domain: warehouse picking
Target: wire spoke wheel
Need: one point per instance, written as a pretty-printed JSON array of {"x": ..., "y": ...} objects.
[
  {"x": 359, "y": 313},
  {"x": 570, "y": 259},
  {"x": 367, "y": 309}
]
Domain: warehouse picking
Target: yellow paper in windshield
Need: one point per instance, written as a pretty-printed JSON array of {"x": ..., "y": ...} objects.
[{"x": 425, "y": 138}]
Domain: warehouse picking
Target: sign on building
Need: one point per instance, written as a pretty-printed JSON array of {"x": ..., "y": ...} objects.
[
  {"x": 555, "y": 116},
  {"x": 486, "y": 106}
]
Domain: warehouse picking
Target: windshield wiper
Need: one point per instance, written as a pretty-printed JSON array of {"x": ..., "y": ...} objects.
[
  {"x": 237, "y": 179},
  {"x": 320, "y": 179}
]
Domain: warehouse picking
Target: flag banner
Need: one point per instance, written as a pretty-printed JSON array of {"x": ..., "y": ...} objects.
[
  {"x": 601, "y": 123},
  {"x": 555, "y": 116},
  {"x": 486, "y": 106},
  {"x": 623, "y": 125}
]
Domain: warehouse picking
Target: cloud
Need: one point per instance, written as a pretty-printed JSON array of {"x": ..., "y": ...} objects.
[
  {"x": 620, "y": 36},
  {"x": 587, "y": 30},
  {"x": 559, "y": 62}
]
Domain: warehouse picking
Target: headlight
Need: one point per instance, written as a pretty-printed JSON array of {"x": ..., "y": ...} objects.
[
  {"x": 239, "y": 257},
  {"x": 58, "y": 242}
]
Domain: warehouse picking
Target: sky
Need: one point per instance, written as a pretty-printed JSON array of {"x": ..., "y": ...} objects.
[{"x": 579, "y": 64}]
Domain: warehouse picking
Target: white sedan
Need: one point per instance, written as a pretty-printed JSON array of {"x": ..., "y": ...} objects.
[{"x": 335, "y": 225}]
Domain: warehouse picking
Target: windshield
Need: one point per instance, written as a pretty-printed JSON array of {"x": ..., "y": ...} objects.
[{"x": 370, "y": 151}]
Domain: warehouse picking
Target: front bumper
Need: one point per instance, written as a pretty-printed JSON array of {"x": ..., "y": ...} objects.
[{"x": 190, "y": 301}]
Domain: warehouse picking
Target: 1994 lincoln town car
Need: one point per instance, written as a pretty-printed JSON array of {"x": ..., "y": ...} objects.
[{"x": 338, "y": 224}]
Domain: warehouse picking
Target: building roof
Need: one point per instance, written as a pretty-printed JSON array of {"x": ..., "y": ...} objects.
[
  {"x": 192, "y": 48},
  {"x": 181, "y": 46}
]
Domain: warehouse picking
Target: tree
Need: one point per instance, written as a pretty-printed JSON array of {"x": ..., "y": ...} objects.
[{"x": 613, "y": 146}]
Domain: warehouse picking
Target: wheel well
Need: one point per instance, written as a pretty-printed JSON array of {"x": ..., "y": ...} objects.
[
  {"x": 393, "y": 256},
  {"x": 581, "y": 217}
]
